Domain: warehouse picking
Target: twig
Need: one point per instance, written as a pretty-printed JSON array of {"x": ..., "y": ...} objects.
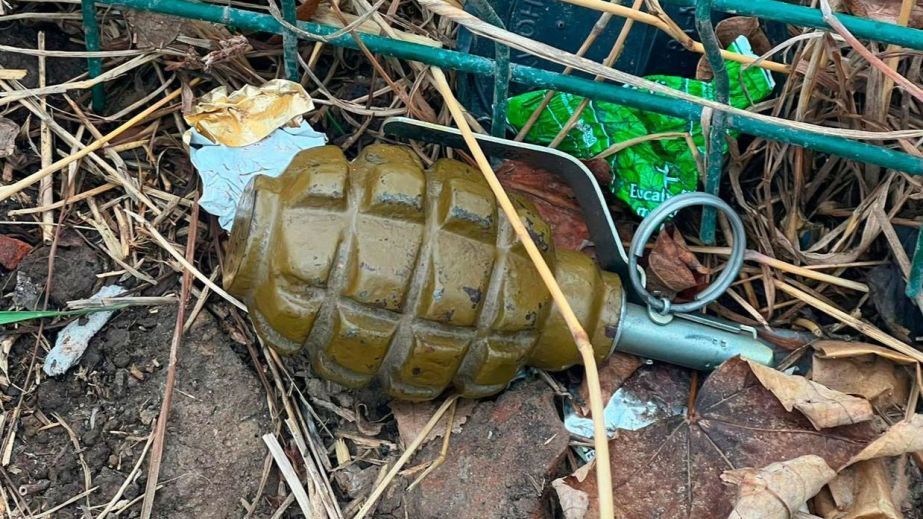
[
  {"x": 80, "y": 85},
  {"x": 903, "y": 18},
  {"x": 874, "y": 60},
  {"x": 16, "y": 187},
  {"x": 288, "y": 472},
  {"x": 160, "y": 431},
  {"x": 443, "y": 452},
  {"x": 597, "y": 29},
  {"x": 128, "y": 479},
  {"x": 46, "y": 188},
  {"x": 600, "y": 437},
  {"x": 405, "y": 457},
  {"x": 857, "y": 324},
  {"x": 613, "y": 56},
  {"x": 78, "y": 497},
  {"x": 684, "y": 39},
  {"x": 187, "y": 265}
]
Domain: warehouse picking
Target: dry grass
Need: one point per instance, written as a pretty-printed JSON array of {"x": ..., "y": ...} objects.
[{"x": 122, "y": 180}]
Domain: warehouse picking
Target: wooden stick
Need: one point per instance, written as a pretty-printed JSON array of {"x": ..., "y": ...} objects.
[
  {"x": 873, "y": 60},
  {"x": 857, "y": 324},
  {"x": 887, "y": 86},
  {"x": 160, "y": 430},
  {"x": 613, "y": 56},
  {"x": 288, "y": 473},
  {"x": 46, "y": 188},
  {"x": 689, "y": 43},
  {"x": 752, "y": 255},
  {"x": 185, "y": 263},
  {"x": 600, "y": 437},
  {"x": 405, "y": 457},
  {"x": 16, "y": 187}
]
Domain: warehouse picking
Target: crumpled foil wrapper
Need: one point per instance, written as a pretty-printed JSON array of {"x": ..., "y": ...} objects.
[{"x": 250, "y": 114}]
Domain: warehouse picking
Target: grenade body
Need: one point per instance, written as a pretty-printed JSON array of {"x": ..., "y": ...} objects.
[{"x": 381, "y": 269}]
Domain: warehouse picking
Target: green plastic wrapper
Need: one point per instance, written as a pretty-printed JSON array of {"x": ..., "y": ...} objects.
[{"x": 647, "y": 172}]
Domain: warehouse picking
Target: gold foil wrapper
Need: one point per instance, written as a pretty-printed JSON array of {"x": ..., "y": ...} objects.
[{"x": 250, "y": 114}]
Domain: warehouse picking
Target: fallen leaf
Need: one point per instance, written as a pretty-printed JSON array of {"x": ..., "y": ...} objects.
[
  {"x": 903, "y": 437},
  {"x": 306, "y": 11},
  {"x": 8, "y": 132},
  {"x": 412, "y": 417},
  {"x": 871, "y": 493},
  {"x": 672, "y": 267},
  {"x": 553, "y": 198},
  {"x": 672, "y": 468},
  {"x": 12, "y": 251},
  {"x": 876, "y": 379},
  {"x": 823, "y": 406},
  {"x": 775, "y": 490},
  {"x": 574, "y": 503},
  {"x": 153, "y": 30},
  {"x": 613, "y": 372},
  {"x": 727, "y": 31},
  {"x": 885, "y": 10}
]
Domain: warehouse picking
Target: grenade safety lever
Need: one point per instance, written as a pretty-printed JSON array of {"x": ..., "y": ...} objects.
[
  {"x": 694, "y": 340},
  {"x": 381, "y": 269}
]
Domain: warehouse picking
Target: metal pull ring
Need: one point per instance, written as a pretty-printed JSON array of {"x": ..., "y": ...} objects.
[{"x": 652, "y": 222}]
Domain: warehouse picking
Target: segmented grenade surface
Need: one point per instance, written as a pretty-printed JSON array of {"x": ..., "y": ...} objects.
[{"x": 381, "y": 269}]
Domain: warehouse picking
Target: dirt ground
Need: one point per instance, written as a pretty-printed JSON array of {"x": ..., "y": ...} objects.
[{"x": 88, "y": 427}]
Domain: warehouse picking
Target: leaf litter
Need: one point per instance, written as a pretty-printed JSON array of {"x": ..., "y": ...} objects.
[{"x": 807, "y": 215}]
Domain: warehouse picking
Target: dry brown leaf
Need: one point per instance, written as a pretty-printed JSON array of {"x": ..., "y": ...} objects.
[
  {"x": 671, "y": 266},
  {"x": 903, "y": 437},
  {"x": 727, "y": 31},
  {"x": 672, "y": 468},
  {"x": 412, "y": 417},
  {"x": 874, "y": 378},
  {"x": 778, "y": 489},
  {"x": 574, "y": 503},
  {"x": 872, "y": 493},
  {"x": 613, "y": 372},
  {"x": 823, "y": 406},
  {"x": 885, "y": 10},
  {"x": 553, "y": 198},
  {"x": 8, "y": 132},
  {"x": 845, "y": 349}
]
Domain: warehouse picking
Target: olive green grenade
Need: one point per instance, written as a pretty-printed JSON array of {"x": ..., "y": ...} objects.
[{"x": 381, "y": 268}]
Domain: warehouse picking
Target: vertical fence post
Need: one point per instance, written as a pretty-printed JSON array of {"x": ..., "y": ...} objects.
[
  {"x": 94, "y": 65},
  {"x": 290, "y": 42},
  {"x": 717, "y": 132}
]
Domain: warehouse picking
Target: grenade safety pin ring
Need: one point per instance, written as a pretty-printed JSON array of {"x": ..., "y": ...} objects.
[{"x": 653, "y": 221}]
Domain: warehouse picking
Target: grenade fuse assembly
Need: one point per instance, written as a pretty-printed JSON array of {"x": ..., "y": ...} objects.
[{"x": 379, "y": 268}]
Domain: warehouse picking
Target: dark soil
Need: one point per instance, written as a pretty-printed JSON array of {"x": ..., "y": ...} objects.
[{"x": 214, "y": 454}]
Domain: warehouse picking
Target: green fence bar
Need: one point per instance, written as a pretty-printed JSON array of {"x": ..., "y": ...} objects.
[
  {"x": 538, "y": 78},
  {"x": 290, "y": 42},
  {"x": 774, "y": 10},
  {"x": 94, "y": 65}
]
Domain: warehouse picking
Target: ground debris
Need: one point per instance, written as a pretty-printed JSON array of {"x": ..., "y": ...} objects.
[
  {"x": 774, "y": 491},
  {"x": 823, "y": 406},
  {"x": 501, "y": 462},
  {"x": 677, "y": 463},
  {"x": 672, "y": 267},
  {"x": 12, "y": 251}
]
